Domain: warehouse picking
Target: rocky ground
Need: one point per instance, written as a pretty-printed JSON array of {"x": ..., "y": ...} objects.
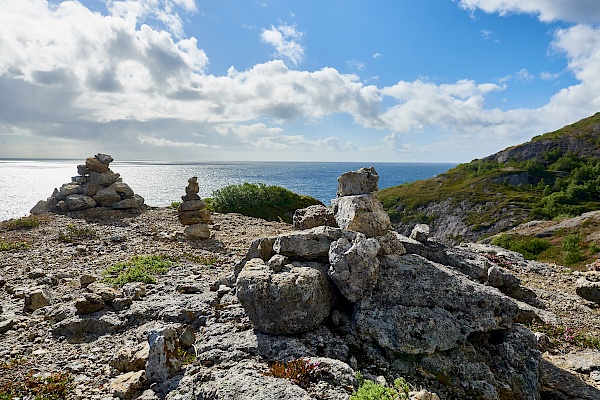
[{"x": 42, "y": 330}]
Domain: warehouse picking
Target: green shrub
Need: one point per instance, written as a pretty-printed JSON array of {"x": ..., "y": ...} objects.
[
  {"x": 138, "y": 269},
  {"x": 22, "y": 223},
  {"x": 259, "y": 200},
  {"x": 74, "y": 234},
  {"x": 529, "y": 247},
  {"x": 175, "y": 205},
  {"x": 369, "y": 390},
  {"x": 572, "y": 249},
  {"x": 9, "y": 246}
]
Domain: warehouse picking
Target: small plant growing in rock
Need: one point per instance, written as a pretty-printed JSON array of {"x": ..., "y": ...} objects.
[
  {"x": 18, "y": 381},
  {"x": 563, "y": 338},
  {"x": 22, "y": 223},
  {"x": 498, "y": 260},
  {"x": 9, "y": 246},
  {"x": 298, "y": 371},
  {"x": 369, "y": 390},
  {"x": 138, "y": 269},
  {"x": 174, "y": 205},
  {"x": 185, "y": 356},
  {"x": 74, "y": 234}
]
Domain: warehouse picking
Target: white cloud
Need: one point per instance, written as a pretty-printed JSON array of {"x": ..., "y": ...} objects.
[
  {"x": 286, "y": 40},
  {"x": 524, "y": 75},
  {"x": 377, "y": 55},
  {"x": 549, "y": 76},
  {"x": 163, "y": 142},
  {"x": 579, "y": 11},
  {"x": 359, "y": 65}
]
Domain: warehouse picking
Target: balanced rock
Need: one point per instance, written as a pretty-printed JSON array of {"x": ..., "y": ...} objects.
[
  {"x": 363, "y": 181},
  {"x": 361, "y": 213},
  {"x": 295, "y": 300},
  {"x": 192, "y": 212},
  {"x": 313, "y": 216}
]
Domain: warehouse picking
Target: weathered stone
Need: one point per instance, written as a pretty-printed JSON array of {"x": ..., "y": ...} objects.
[
  {"x": 197, "y": 231},
  {"x": 86, "y": 279},
  {"x": 95, "y": 165},
  {"x": 7, "y": 325},
  {"x": 131, "y": 358},
  {"x": 104, "y": 178},
  {"x": 84, "y": 327},
  {"x": 129, "y": 385},
  {"x": 91, "y": 188},
  {"x": 134, "y": 290},
  {"x": 163, "y": 359},
  {"x": 69, "y": 189},
  {"x": 105, "y": 291},
  {"x": 41, "y": 207},
  {"x": 277, "y": 262},
  {"x": 192, "y": 189},
  {"x": 420, "y": 232},
  {"x": 361, "y": 213},
  {"x": 89, "y": 303},
  {"x": 107, "y": 196},
  {"x": 122, "y": 189},
  {"x": 295, "y": 300},
  {"x": 194, "y": 217},
  {"x": 134, "y": 202},
  {"x": 82, "y": 170},
  {"x": 37, "y": 298},
  {"x": 358, "y": 182},
  {"x": 104, "y": 158},
  {"x": 79, "y": 179},
  {"x": 191, "y": 205},
  {"x": 313, "y": 216},
  {"x": 309, "y": 244},
  {"x": 588, "y": 289},
  {"x": 497, "y": 277},
  {"x": 390, "y": 243},
  {"x": 354, "y": 266},
  {"x": 76, "y": 202}
]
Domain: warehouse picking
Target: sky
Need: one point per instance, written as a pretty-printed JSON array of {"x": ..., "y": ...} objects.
[{"x": 294, "y": 80}]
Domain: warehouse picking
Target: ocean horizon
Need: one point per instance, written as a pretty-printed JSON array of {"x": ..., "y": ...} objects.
[{"x": 23, "y": 182}]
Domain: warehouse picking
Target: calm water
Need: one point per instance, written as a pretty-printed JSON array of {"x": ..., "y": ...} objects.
[{"x": 24, "y": 183}]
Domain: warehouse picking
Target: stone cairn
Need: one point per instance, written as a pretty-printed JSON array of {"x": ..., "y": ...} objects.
[
  {"x": 94, "y": 186},
  {"x": 192, "y": 212}
]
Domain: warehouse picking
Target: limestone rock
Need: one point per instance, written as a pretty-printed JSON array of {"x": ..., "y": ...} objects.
[
  {"x": 361, "y": 213},
  {"x": 135, "y": 202},
  {"x": 313, "y": 216},
  {"x": 588, "y": 287},
  {"x": 163, "y": 360},
  {"x": 76, "y": 202},
  {"x": 104, "y": 179},
  {"x": 106, "y": 292},
  {"x": 354, "y": 266},
  {"x": 129, "y": 359},
  {"x": 420, "y": 232},
  {"x": 89, "y": 303},
  {"x": 122, "y": 189},
  {"x": 191, "y": 205},
  {"x": 194, "y": 217},
  {"x": 129, "y": 385},
  {"x": 37, "y": 298},
  {"x": 500, "y": 278},
  {"x": 192, "y": 189},
  {"x": 197, "y": 231},
  {"x": 309, "y": 244},
  {"x": 95, "y": 165},
  {"x": 107, "y": 196},
  {"x": 358, "y": 182},
  {"x": 295, "y": 300},
  {"x": 104, "y": 158}
]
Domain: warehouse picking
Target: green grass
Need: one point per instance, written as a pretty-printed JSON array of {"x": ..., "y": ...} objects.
[
  {"x": 22, "y": 223},
  {"x": 139, "y": 269},
  {"x": 175, "y": 204},
  {"x": 74, "y": 234},
  {"x": 531, "y": 248},
  {"x": 9, "y": 246},
  {"x": 273, "y": 203},
  {"x": 369, "y": 390}
]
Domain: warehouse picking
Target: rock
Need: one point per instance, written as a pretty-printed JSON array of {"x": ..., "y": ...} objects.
[
  {"x": 7, "y": 325},
  {"x": 86, "y": 279},
  {"x": 80, "y": 328},
  {"x": 588, "y": 287},
  {"x": 423, "y": 395},
  {"x": 420, "y": 233},
  {"x": 103, "y": 179},
  {"x": 122, "y": 189},
  {"x": 129, "y": 359},
  {"x": 352, "y": 183},
  {"x": 83, "y": 170},
  {"x": 129, "y": 385},
  {"x": 40, "y": 208},
  {"x": 134, "y": 290},
  {"x": 277, "y": 262},
  {"x": 191, "y": 205},
  {"x": 361, "y": 213},
  {"x": 453, "y": 308},
  {"x": 77, "y": 202},
  {"x": 37, "y": 298},
  {"x": 313, "y": 216},
  {"x": 390, "y": 243},
  {"x": 95, "y": 165},
  {"x": 107, "y": 196},
  {"x": 89, "y": 303},
  {"x": 69, "y": 189},
  {"x": 104, "y": 158},
  {"x": 194, "y": 217},
  {"x": 294, "y": 300},
  {"x": 192, "y": 189},
  {"x": 135, "y": 202},
  {"x": 197, "y": 231},
  {"x": 354, "y": 266},
  {"x": 107, "y": 293},
  {"x": 308, "y": 245},
  {"x": 499, "y": 278},
  {"x": 163, "y": 358}
]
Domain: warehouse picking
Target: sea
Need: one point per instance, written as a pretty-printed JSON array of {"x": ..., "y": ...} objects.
[{"x": 24, "y": 182}]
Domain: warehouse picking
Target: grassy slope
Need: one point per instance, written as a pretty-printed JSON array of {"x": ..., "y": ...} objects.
[{"x": 485, "y": 184}]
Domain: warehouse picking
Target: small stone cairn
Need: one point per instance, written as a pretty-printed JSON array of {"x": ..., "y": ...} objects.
[
  {"x": 94, "y": 186},
  {"x": 192, "y": 212}
]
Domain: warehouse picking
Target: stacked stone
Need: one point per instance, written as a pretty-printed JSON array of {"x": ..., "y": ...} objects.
[
  {"x": 357, "y": 207},
  {"x": 94, "y": 186},
  {"x": 192, "y": 212}
]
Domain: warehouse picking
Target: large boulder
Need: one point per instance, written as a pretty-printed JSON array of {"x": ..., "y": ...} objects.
[
  {"x": 362, "y": 181},
  {"x": 419, "y": 307},
  {"x": 354, "y": 266},
  {"x": 295, "y": 300},
  {"x": 313, "y": 216},
  {"x": 361, "y": 213},
  {"x": 588, "y": 286},
  {"x": 309, "y": 244}
]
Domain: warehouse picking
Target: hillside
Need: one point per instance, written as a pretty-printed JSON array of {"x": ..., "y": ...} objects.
[{"x": 554, "y": 175}]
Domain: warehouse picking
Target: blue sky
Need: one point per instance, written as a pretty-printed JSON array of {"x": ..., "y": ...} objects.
[{"x": 428, "y": 80}]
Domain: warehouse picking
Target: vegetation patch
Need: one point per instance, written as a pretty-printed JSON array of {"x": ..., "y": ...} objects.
[
  {"x": 138, "y": 269},
  {"x": 273, "y": 203},
  {"x": 22, "y": 223},
  {"x": 564, "y": 339},
  {"x": 10, "y": 246},
  {"x": 17, "y": 380},
  {"x": 298, "y": 371},
  {"x": 369, "y": 390},
  {"x": 531, "y": 248},
  {"x": 174, "y": 205},
  {"x": 75, "y": 234}
]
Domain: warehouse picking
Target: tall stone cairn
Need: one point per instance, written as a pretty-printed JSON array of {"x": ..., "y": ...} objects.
[
  {"x": 192, "y": 212},
  {"x": 94, "y": 186}
]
